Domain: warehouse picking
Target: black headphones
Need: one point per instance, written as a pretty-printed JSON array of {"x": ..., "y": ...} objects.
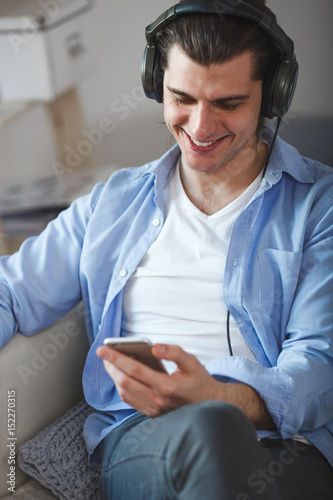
[{"x": 280, "y": 86}]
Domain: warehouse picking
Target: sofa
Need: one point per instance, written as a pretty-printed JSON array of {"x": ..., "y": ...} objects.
[{"x": 40, "y": 380}]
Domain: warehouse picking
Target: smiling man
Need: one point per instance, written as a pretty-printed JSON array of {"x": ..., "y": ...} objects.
[
  {"x": 220, "y": 253},
  {"x": 232, "y": 211}
]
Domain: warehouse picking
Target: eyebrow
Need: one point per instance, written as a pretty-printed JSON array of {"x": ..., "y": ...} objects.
[{"x": 221, "y": 100}]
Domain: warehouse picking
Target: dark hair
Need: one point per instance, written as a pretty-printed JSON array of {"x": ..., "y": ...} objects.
[{"x": 214, "y": 39}]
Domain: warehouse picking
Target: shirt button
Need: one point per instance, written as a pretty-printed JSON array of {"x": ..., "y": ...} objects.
[
  {"x": 123, "y": 273},
  {"x": 156, "y": 222}
]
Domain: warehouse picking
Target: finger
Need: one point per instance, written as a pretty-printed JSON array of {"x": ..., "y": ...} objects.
[
  {"x": 102, "y": 352},
  {"x": 140, "y": 396},
  {"x": 130, "y": 366},
  {"x": 143, "y": 398},
  {"x": 121, "y": 361},
  {"x": 112, "y": 370},
  {"x": 185, "y": 361}
]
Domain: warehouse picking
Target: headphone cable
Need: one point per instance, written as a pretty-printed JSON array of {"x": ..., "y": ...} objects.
[
  {"x": 228, "y": 333},
  {"x": 271, "y": 146}
]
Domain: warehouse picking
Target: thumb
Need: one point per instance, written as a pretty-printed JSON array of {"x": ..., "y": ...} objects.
[{"x": 185, "y": 361}]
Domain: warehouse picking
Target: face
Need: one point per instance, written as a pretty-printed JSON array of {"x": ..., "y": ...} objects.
[{"x": 213, "y": 111}]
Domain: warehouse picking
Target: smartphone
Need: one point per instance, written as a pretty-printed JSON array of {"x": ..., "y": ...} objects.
[{"x": 139, "y": 349}]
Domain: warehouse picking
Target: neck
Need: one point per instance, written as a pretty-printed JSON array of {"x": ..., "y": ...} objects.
[{"x": 212, "y": 191}]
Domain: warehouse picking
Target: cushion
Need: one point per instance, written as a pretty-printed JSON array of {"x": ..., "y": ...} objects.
[
  {"x": 57, "y": 457},
  {"x": 45, "y": 371}
]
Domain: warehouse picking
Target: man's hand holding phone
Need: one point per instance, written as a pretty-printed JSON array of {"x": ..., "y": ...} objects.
[
  {"x": 153, "y": 392},
  {"x": 134, "y": 370}
]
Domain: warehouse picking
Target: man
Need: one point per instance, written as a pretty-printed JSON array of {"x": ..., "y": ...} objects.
[{"x": 221, "y": 253}]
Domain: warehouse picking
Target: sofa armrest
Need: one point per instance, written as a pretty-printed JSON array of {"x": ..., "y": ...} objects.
[{"x": 40, "y": 379}]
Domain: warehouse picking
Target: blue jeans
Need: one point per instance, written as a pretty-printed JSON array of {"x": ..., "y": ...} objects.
[{"x": 207, "y": 451}]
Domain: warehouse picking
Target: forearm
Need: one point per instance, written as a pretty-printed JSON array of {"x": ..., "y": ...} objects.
[{"x": 248, "y": 400}]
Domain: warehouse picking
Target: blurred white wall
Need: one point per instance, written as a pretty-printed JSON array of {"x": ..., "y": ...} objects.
[{"x": 114, "y": 90}]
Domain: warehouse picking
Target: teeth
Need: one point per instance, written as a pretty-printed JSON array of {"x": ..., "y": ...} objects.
[{"x": 202, "y": 144}]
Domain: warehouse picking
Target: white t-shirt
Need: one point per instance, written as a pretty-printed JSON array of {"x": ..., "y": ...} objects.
[{"x": 175, "y": 296}]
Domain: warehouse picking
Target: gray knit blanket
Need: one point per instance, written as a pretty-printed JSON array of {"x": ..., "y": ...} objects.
[{"x": 57, "y": 457}]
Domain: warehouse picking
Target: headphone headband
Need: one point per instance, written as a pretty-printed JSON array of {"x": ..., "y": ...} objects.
[{"x": 279, "y": 92}]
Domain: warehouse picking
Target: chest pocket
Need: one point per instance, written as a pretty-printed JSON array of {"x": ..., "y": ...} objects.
[{"x": 279, "y": 273}]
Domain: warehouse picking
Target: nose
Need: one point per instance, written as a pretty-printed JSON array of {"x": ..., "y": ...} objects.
[{"x": 202, "y": 121}]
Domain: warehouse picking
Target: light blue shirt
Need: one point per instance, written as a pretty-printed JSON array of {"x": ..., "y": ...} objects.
[{"x": 277, "y": 285}]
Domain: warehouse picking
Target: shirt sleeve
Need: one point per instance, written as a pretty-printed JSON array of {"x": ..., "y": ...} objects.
[
  {"x": 41, "y": 282},
  {"x": 298, "y": 391}
]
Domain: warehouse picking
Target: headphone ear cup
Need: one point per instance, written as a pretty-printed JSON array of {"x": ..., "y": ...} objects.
[
  {"x": 152, "y": 74},
  {"x": 285, "y": 86},
  {"x": 158, "y": 78},
  {"x": 147, "y": 70},
  {"x": 279, "y": 88}
]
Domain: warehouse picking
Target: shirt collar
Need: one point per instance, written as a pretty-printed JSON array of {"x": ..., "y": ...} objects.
[{"x": 285, "y": 158}]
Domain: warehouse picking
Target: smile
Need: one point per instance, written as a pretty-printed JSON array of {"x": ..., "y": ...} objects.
[{"x": 203, "y": 144}]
